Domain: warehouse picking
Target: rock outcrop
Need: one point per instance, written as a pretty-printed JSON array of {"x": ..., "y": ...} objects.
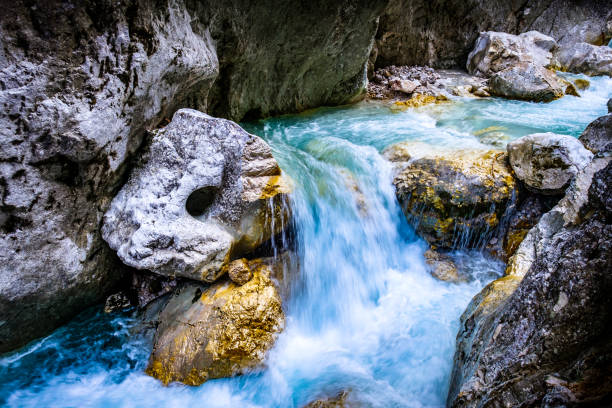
[
  {"x": 547, "y": 162},
  {"x": 217, "y": 331},
  {"x": 81, "y": 82},
  {"x": 597, "y": 137},
  {"x": 456, "y": 200},
  {"x": 540, "y": 336},
  {"x": 205, "y": 192}
]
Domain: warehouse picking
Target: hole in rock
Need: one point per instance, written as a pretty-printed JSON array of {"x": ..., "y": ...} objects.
[{"x": 199, "y": 201}]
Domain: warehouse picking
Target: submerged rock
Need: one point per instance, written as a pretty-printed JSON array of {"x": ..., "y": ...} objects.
[
  {"x": 547, "y": 162},
  {"x": 205, "y": 192},
  {"x": 342, "y": 400},
  {"x": 442, "y": 267},
  {"x": 495, "y": 52},
  {"x": 456, "y": 199},
  {"x": 217, "y": 331},
  {"x": 597, "y": 137},
  {"x": 527, "y": 81},
  {"x": 520, "y": 341}
]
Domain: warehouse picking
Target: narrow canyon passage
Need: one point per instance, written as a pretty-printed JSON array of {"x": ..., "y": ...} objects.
[{"x": 363, "y": 313}]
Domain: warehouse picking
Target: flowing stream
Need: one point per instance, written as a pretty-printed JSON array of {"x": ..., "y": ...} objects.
[{"x": 364, "y": 315}]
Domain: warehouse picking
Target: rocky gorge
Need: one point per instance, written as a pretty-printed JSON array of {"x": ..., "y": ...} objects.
[{"x": 306, "y": 260}]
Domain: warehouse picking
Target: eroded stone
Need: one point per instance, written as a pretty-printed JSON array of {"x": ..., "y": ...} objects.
[{"x": 155, "y": 223}]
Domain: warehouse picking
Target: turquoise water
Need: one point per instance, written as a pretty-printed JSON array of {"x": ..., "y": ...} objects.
[{"x": 363, "y": 315}]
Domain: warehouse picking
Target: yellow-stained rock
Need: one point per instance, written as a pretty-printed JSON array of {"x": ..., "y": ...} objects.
[
  {"x": 455, "y": 199},
  {"x": 582, "y": 84},
  {"x": 442, "y": 267},
  {"x": 416, "y": 101},
  {"x": 217, "y": 331}
]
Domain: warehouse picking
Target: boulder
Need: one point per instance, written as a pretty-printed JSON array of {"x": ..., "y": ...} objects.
[
  {"x": 205, "y": 192},
  {"x": 540, "y": 335},
  {"x": 442, "y": 267},
  {"x": 582, "y": 84},
  {"x": 584, "y": 58},
  {"x": 217, "y": 331},
  {"x": 495, "y": 52},
  {"x": 456, "y": 199},
  {"x": 547, "y": 162},
  {"x": 597, "y": 137},
  {"x": 527, "y": 81}
]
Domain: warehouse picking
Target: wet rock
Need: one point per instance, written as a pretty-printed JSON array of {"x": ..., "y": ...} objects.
[
  {"x": 609, "y": 105},
  {"x": 493, "y": 135},
  {"x": 456, "y": 199},
  {"x": 495, "y": 52},
  {"x": 342, "y": 400},
  {"x": 527, "y": 81},
  {"x": 527, "y": 345},
  {"x": 528, "y": 213},
  {"x": 597, "y": 137},
  {"x": 582, "y": 84},
  {"x": 547, "y": 162},
  {"x": 442, "y": 267},
  {"x": 585, "y": 58},
  {"x": 217, "y": 331},
  {"x": 239, "y": 271},
  {"x": 205, "y": 192},
  {"x": 117, "y": 302}
]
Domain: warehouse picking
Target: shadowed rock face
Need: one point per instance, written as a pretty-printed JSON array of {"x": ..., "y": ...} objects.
[
  {"x": 81, "y": 82},
  {"x": 540, "y": 336},
  {"x": 441, "y": 33}
]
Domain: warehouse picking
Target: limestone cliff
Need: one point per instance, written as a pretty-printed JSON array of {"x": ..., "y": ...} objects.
[{"x": 82, "y": 81}]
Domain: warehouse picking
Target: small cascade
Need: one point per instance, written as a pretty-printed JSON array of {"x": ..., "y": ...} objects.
[{"x": 364, "y": 315}]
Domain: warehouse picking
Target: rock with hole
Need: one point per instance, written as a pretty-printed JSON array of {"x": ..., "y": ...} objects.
[{"x": 205, "y": 192}]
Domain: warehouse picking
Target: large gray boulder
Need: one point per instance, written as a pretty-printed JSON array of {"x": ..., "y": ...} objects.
[
  {"x": 547, "y": 162},
  {"x": 597, "y": 137},
  {"x": 82, "y": 81},
  {"x": 585, "y": 58},
  {"x": 494, "y": 51},
  {"x": 527, "y": 81},
  {"x": 540, "y": 335},
  {"x": 205, "y": 192}
]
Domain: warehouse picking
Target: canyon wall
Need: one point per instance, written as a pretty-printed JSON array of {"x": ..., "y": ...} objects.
[
  {"x": 81, "y": 82},
  {"x": 441, "y": 33}
]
